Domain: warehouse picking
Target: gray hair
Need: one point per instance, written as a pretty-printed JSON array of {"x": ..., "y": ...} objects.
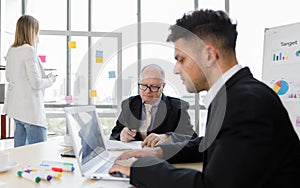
[{"x": 157, "y": 67}]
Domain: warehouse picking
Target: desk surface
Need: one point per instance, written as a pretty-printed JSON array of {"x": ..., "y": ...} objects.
[{"x": 50, "y": 150}]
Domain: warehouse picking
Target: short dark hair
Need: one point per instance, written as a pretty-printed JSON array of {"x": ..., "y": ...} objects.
[{"x": 210, "y": 26}]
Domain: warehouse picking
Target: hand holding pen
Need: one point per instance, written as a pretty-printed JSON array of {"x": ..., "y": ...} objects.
[
  {"x": 52, "y": 76},
  {"x": 127, "y": 135}
]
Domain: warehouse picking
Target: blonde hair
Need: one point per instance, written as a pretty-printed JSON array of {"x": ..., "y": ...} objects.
[{"x": 26, "y": 30}]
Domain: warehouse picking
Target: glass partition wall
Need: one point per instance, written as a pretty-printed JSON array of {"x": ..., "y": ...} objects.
[{"x": 97, "y": 49}]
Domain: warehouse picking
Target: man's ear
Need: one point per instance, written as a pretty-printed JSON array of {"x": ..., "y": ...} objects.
[{"x": 211, "y": 55}]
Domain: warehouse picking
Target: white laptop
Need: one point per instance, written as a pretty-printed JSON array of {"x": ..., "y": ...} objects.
[{"x": 88, "y": 144}]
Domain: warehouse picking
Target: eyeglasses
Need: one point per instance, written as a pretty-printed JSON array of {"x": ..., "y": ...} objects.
[{"x": 152, "y": 88}]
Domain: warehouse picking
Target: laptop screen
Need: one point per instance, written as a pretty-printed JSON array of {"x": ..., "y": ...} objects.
[{"x": 86, "y": 134}]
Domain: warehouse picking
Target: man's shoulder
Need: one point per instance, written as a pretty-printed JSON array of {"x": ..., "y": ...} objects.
[
  {"x": 132, "y": 99},
  {"x": 177, "y": 101}
]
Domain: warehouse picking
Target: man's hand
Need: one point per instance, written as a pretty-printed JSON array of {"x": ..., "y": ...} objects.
[
  {"x": 122, "y": 166},
  {"x": 127, "y": 135},
  {"x": 126, "y": 159},
  {"x": 154, "y": 139},
  {"x": 155, "y": 152}
]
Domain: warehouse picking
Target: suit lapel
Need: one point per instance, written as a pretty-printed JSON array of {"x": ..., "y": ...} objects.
[
  {"x": 162, "y": 113},
  {"x": 218, "y": 109},
  {"x": 136, "y": 110}
]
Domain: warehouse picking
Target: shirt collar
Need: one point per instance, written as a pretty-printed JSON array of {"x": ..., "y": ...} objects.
[{"x": 212, "y": 92}]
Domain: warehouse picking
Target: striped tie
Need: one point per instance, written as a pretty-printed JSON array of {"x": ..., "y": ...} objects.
[{"x": 143, "y": 129}]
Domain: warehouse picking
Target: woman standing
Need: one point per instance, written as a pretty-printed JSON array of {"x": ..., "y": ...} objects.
[{"x": 24, "y": 101}]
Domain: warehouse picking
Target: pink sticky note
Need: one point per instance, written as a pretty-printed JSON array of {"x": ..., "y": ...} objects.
[
  {"x": 298, "y": 121},
  {"x": 43, "y": 58},
  {"x": 69, "y": 99}
]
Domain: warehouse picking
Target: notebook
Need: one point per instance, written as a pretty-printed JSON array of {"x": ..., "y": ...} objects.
[{"x": 87, "y": 140}]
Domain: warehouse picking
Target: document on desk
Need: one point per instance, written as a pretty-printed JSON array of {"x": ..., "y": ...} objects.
[
  {"x": 2, "y": 183},
  {"x": 113, "y": 145}
]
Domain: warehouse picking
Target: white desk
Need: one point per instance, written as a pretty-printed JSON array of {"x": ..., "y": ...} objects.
[{"x": 50, "y": 150}]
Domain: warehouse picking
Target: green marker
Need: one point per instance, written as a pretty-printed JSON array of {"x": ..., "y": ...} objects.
[{"x": 29, "y": 176}]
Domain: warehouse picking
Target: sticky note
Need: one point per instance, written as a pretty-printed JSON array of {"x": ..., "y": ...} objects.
[
  {"x": 69, "y": 99},
  {"x": 111, "y": 74},
  {"x": 298, "y": 121},
  {"x": 42, "y": 58},
  {"x": 72, "y": 44},
  {"x": 92, "y": 93},
  {"x": 99, "y": 53},
  {"x": 99, "y": 59},
  {"x": 99, "y": 56}
]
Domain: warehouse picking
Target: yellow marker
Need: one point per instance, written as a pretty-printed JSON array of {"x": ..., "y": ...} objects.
[
  {"x": 99, "y": 59},
  {"x": 92, "y": 93},
  {"x": 72, "y": 44}
]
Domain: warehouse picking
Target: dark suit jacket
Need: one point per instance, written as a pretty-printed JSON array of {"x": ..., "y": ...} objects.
[
  {"x": 171, "y": 116},
  {"x": 255, "y": 147}
]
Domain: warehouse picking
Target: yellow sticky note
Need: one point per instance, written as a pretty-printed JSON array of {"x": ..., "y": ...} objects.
[
  {"x": 99, "y": 59},
  {"x": 92, "y": 93},
  {"x": 72, "y": 44}
]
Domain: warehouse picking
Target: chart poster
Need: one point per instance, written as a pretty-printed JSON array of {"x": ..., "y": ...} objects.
[{"x": 281, "y": 67}]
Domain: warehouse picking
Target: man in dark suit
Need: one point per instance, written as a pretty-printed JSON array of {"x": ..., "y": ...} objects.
[
  {"x": 168, "y": 120},
  {"x": 249, "y": 140}
]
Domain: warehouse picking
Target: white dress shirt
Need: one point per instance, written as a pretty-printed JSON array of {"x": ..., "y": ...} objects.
[{"x": 212, "y": 92}]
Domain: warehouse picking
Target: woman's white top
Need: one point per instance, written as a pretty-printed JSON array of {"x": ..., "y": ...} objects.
[{"x": 27, "y": 81}]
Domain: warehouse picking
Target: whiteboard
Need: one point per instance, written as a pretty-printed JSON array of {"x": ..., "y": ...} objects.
[{"x": 281, "y": 67}]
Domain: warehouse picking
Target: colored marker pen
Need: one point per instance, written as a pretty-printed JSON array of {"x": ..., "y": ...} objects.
[
  {"x": 57, "y": 175},
  {"x": 42, "y": 174},
  {"x": 45, "y": 171},
  {"x": 60, "y": 168},
  {"x": 45, "y": 168},
  {"x": 56, "y": 163},
  {"x": 29, "y": 176}
]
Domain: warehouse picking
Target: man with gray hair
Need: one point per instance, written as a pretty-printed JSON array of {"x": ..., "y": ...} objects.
[{"x": 152, "y": 116}]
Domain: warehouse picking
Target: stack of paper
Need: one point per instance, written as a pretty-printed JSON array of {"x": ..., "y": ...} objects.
[{"x": 113, "y": 145}]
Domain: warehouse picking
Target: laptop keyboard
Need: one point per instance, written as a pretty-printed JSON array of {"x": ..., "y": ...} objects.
[{"x": 105, "y": 167}]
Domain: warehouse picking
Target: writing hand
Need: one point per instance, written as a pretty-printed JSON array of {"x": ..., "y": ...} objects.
[
  {"x": 127, "y": 135},
  {"x": 52, "y": 76}
]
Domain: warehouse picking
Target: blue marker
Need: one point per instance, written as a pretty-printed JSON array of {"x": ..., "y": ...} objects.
[{"x": 56, "y": 163}]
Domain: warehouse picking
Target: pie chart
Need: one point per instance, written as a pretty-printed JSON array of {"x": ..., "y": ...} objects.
[{"x": 281, "y": 87}]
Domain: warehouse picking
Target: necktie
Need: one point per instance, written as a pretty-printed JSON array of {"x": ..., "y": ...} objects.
[{"x": 143, "y": 129}]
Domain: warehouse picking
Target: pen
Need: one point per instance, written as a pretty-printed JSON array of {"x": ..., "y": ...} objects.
[
  {"x": 57, "y": 175},
  {"x": 29, "y": 176},
  {"x": 55, "y": 163},
  {"x": 44, "y": 167},
  {"x": 60, "y": 168},
  {"x": 44, "y": 171},
  {"x": 42, "y": 175}
]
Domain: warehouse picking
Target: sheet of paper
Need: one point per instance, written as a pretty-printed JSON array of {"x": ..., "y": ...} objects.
[
  {"x": 2, "y": 183},
  {"x": 114, "y": 145}
]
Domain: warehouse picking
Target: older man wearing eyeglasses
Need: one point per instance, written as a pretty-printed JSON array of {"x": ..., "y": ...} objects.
[{"x": 153, "y": 117}]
